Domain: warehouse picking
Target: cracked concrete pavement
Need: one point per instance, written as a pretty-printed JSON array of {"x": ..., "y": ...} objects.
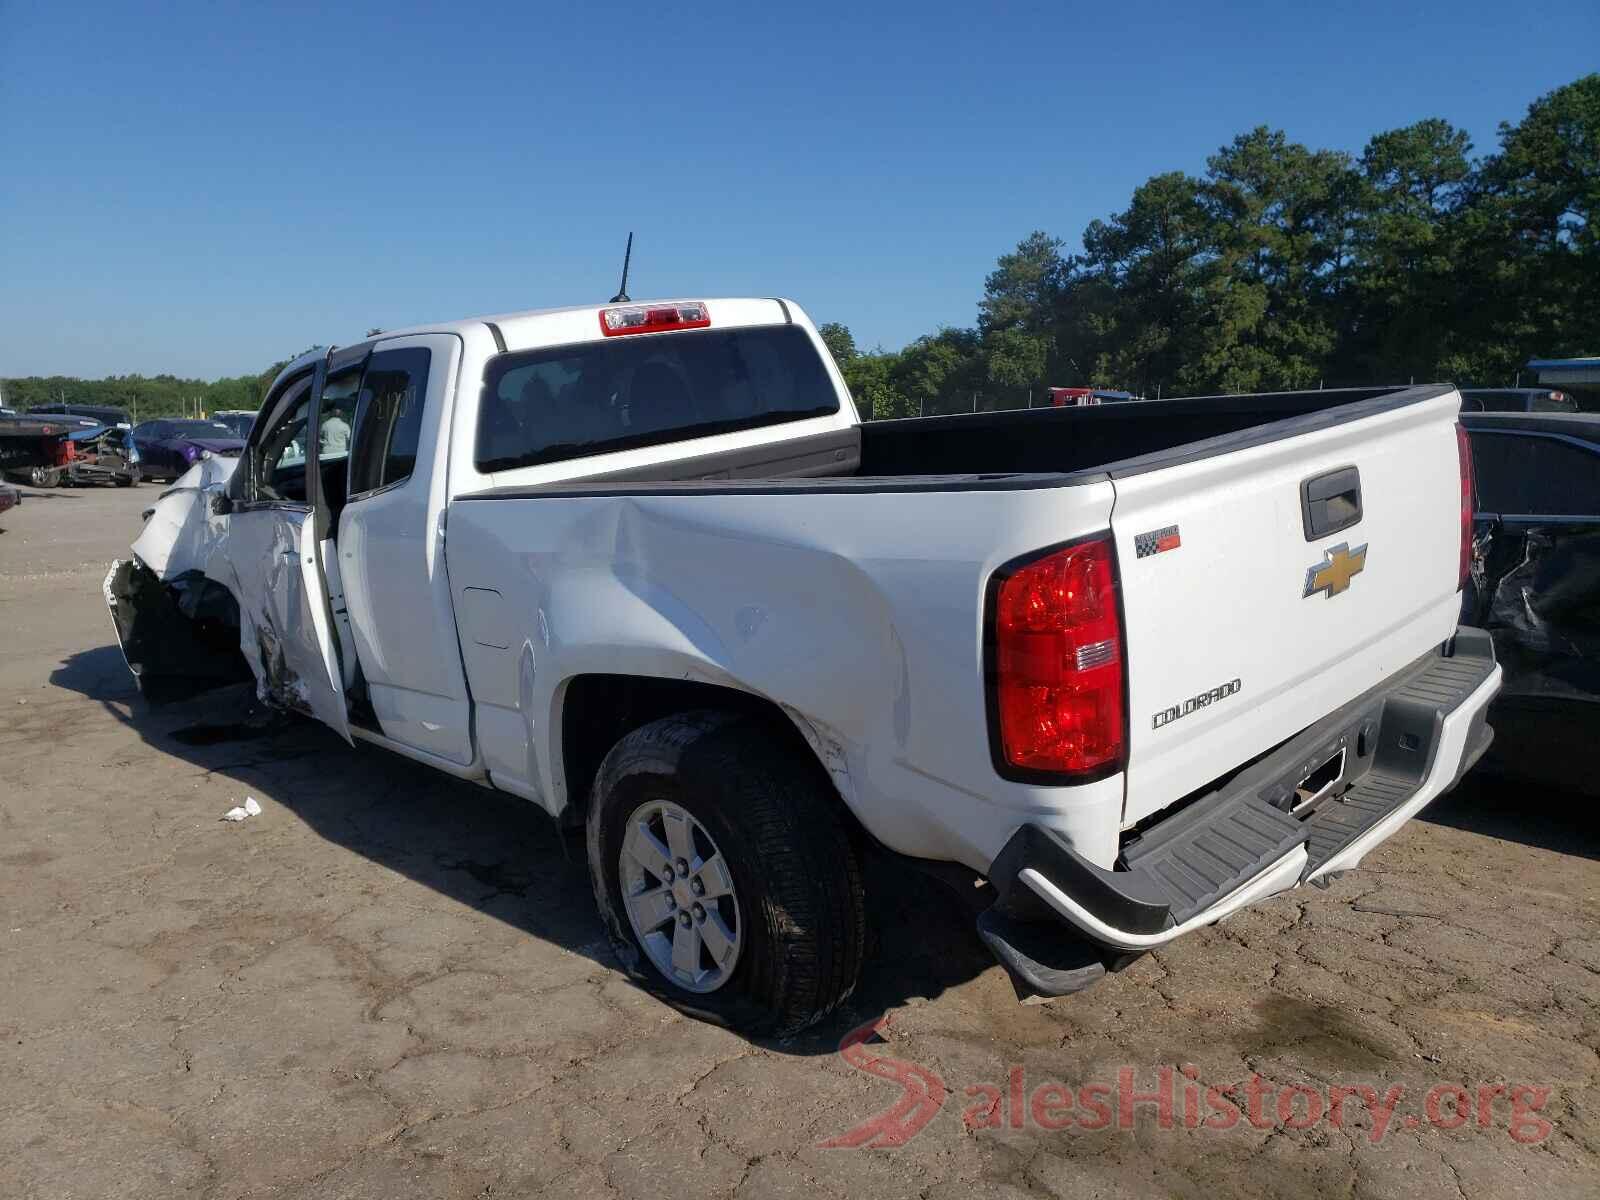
[{"x": 390, "y": 983}]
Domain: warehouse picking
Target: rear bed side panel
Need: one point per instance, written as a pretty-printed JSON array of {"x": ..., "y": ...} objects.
[
  {"x": 1221, "y": 619},
  {"x": 860, "y": 613}
]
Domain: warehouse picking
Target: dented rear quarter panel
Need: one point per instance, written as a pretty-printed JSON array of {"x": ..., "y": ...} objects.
[{"x": 858, "y": 612}]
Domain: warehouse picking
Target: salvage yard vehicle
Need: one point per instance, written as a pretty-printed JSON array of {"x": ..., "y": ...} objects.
[
  {"x": 1127, "y": 667},
  {"x": 169, "y": 447},
  {"x": 1531, "y": 400},
  {"x": 86, "y": 414},
  {"x": 103, "y": 455},
  {"x": 237, "y": 419},
  {"x": 33, "y": 450},
  {"x": 1537, "y": 590}
]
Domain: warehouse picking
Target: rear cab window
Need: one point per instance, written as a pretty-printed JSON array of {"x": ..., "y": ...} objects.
[{"x": 600, "y": 397}]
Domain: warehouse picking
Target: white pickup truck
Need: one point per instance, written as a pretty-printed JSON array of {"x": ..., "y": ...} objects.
[{"x": 1134, "y": 666}]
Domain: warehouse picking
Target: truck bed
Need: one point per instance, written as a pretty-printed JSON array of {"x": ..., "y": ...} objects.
[
  {"x": 906, "y": 528},
  {"x": 27, "y": 441},
  {"x": 1113, "y": 439},
  {"x": 1019, "y": 448}
]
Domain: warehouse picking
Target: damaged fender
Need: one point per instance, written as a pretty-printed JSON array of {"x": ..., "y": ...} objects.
[
  {"x": 270, "y": 562},
  {"x": 209, "y": 598},
  {"x": 180, "y": 638}
]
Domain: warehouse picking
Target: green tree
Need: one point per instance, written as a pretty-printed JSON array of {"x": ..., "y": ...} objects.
[
  {"x": 1280, "y": 213},
  {"x": 870, "y": 378},
  {"x": 838, "y": 341},
  {"x": 1400, "y": 306},
  {"x": 1141, "y": 310},
  {"x": 1016, "y": 320},
  {"x": 1530, "y": 248},
  {"x": 941, "y": 372}
]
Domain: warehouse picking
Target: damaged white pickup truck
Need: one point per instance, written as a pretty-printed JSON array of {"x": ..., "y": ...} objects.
[{"x": 1135, "y": 666}]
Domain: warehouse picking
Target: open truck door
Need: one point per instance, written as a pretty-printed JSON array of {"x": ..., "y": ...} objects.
[{"x": 277, "y": 516}]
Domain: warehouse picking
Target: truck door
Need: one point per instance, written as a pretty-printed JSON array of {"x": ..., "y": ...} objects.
[
  {"x": 273, "y": 562},
  {"x": 391, "y": 548}
]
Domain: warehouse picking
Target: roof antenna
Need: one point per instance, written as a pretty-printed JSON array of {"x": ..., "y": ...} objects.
[{"x": 622, "y": 292}]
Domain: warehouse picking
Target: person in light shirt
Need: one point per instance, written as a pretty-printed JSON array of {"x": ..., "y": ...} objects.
[{"x": 334, "y": 439}]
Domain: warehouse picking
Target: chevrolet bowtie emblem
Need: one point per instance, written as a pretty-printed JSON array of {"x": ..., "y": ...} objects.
[{"x": 1340, "y": 564}]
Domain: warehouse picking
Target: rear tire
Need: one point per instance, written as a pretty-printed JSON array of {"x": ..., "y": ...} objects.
[
  {"x": 45, "y": 477},
  {"x": 796, "y": 881}
]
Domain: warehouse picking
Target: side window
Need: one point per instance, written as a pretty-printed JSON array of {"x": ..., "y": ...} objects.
[
  {"x": 339, "y": 395},
  {"x": 1553, "y": 402},
  {"x": 388, "y": 420},
  {"x": 278, "y": 459},
  {"x": 1494, "y": 472},
  {"x": 1537, "y": 476}
]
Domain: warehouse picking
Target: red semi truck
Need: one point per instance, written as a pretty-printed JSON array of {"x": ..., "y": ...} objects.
[{"x": 1072, "y": 397}]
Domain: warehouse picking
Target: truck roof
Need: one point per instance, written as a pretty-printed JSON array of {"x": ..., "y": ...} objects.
[
  {"x": 534, "y": 328},
  {"x": 548, "y": 326}
]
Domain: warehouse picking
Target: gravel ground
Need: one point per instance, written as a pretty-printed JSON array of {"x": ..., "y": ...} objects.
[{"x": 392, "y": 984}]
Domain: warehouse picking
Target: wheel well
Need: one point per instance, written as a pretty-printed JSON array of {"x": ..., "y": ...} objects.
[{"x": 598, "y": 711}]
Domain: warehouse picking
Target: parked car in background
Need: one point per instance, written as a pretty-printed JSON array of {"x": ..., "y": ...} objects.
[
  {"x": 67, "y": 420},
  {"x": 1516, "y": 400},
  {"x": 237, "y": 419},
  {"x": 104, "y": 454},
  {"x": 169, "y": 447},
  {"x": 1537, "y": 589},
  {"x": 33, "y": 449},
  {"x": 100, "y": 414}
]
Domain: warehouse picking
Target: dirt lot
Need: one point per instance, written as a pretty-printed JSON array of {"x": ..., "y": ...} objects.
[{"x": 391, "y": 984}]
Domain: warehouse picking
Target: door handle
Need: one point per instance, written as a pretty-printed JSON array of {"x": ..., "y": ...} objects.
[{"x": 1330, "y": 502}]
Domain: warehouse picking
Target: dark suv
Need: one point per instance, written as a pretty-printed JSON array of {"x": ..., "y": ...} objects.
[
  {"x": 100, "y": 414},
  {"x": 1536, "y": 589},
  {"x": 1516, "y": 400}
]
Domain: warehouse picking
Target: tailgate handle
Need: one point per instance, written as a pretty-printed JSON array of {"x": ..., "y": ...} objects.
[{"x": 1330, "y": 502}]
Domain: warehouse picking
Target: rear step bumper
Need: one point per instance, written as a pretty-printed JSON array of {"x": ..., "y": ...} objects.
[{"x": 1370, "y": 767}]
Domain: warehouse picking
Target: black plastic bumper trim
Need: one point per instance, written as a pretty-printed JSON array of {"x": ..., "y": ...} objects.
[
  {"x": 1122, "y": 899},
  {"x": 1036, "y": 957}
]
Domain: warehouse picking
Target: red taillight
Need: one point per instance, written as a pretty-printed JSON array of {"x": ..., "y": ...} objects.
[
  {"x": 653, "y": 318},
  {"x": 1057, "y": 663},
  {"x": 1464, "y": 453}
]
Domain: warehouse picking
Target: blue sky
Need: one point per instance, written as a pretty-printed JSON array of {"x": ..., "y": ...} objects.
[{"x": 202, "y": 188}]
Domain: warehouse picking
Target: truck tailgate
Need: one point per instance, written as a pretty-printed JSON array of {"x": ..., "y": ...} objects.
[{"x": 1247, "y": 621}]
